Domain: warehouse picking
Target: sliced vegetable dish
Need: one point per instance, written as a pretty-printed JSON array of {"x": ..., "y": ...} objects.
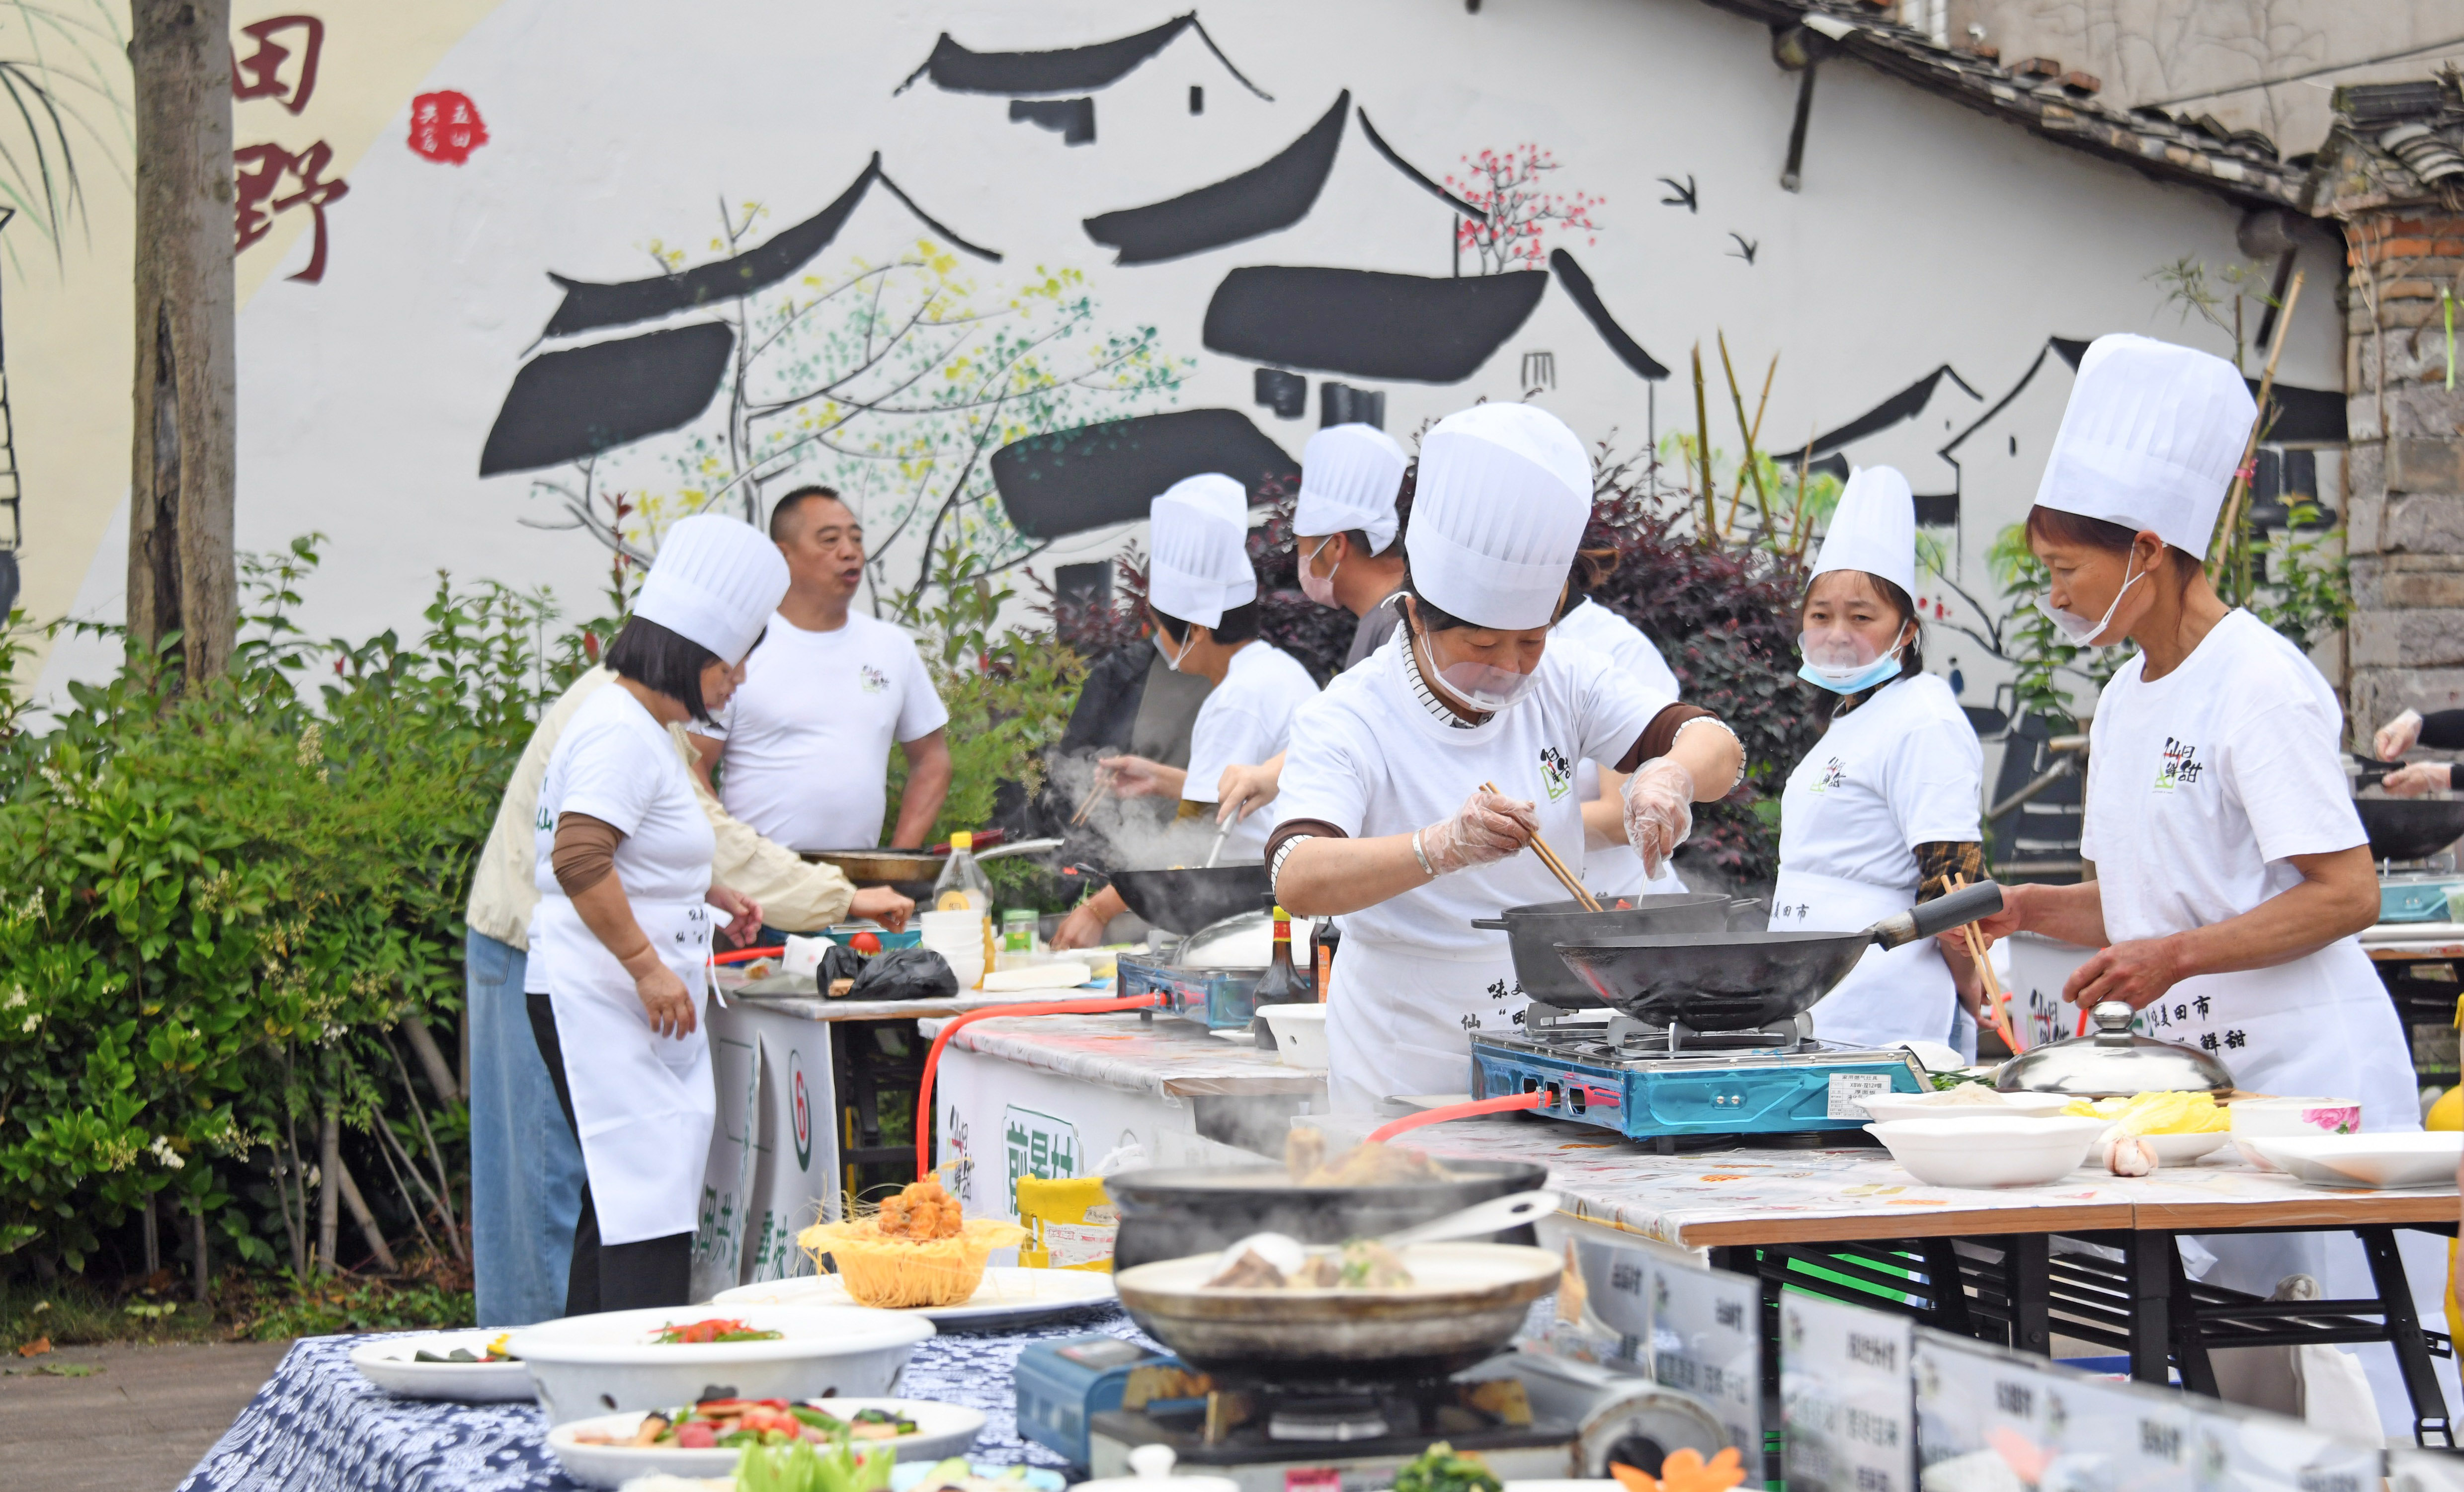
[{"x": 730, "y": 1423}]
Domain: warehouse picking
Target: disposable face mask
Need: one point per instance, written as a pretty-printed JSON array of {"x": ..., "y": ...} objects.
[
  {"x": 1485, "y": 688},
  {"x": 1838, "y": 661},
  {"x": 1319, "y": 588},
  {"x": 2076, "y": 629},
  {"x": 1172, "y": 660}
]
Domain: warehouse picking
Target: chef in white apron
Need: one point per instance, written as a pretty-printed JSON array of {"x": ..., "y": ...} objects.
[
  {"x": 1883, "y": 810},
  {"x": 1383, "y": 819},
  {"x": 2231, "y": 872},
  {"x": 620, "y": 940}
]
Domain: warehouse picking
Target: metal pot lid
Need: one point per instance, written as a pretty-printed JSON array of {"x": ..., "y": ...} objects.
[{"x": 2113, "y": 1061}]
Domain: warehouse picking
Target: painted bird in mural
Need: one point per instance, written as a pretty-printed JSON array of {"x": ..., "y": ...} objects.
[
  {"x": 1685, "y": 197},
  {"x": 1746, "y": 247}
]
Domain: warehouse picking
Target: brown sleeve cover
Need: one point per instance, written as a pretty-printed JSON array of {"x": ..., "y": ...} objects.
[
  {"x": 585, "y": 853},
  {"x": 1938, "y": 860},
  {"x": 1294, "y": 828},
  {"x": 1660, "y": 734}
]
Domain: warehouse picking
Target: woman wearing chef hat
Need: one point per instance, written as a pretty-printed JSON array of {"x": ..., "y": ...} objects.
[
  {"x": 1884, "y": 810},
  {"x": 1384, "y": 819},
  {"x": 1202, "y": 595},
  {"x": 621, "y": 938},
  {"x": 2231, "y": 872}
]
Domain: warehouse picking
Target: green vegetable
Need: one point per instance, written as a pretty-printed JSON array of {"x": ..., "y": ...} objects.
[
  {"x": 798, "y": 1467},
  {"x": 1438, "y": 1469}
]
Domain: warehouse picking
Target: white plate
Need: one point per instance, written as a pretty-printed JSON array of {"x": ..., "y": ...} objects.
[
  {"x": 389, "y": 1366},
  {"x": 942, "y": 1431},
  {"x": 1887, "y": 1107},
  {"x": 1062, "y": 975},
  {"x": 611, "y": 1362},
  {"x": 2366, "y": 1160},
  {"x": 1008, "y": 1296}
]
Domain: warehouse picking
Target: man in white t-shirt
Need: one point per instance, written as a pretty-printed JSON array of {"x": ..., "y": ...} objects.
[{"x": 807, "y": 738}]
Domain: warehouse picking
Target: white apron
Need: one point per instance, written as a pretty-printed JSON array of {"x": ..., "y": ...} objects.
[
  {"x": 1904, "y": 994},
  {"x": 643, "y": 1103},
  {"x": 1398, "y": 1019}
]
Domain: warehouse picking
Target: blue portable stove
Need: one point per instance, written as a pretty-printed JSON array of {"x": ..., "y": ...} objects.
[
  {"x": 1669, "y": 1086},
  {"x": 1063, "y": 1383}
]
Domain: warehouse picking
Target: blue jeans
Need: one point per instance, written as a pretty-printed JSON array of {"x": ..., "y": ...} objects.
[{"x": 525, "y": 1168}]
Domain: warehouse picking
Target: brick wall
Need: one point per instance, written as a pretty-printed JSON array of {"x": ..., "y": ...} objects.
[{"x": 2405, "y": 476}]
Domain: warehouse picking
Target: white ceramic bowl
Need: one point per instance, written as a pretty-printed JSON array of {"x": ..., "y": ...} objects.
[
  {"x": 2414, "y": 1158},
  {"x": 612, "y": 1361},
  {"x": 2274, "y": 1118},
  {"x": 1300, "y": 1033},
  {"x": 1989, "y": 1152},
  {"x": 2185, "y": 1149},
  {"x": 1937, "y": 1106},
  {"x": 388, "y": 1365},
  {"x": 942, "y": 1430}
]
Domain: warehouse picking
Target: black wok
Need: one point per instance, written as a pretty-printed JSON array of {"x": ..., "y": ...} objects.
[
  {"x": 1173, "y": 1213},
  {"x": 1184, "y": 900},
  {"x": 2411, "y": 829},
  {"x": 1736, "y": 981},
  {"x": 1533, "y": 932}
]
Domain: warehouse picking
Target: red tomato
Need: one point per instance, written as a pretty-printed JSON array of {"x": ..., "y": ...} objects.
[
  {"x": 864, "y": 943},
  {"x": 697, "y": 1435}
]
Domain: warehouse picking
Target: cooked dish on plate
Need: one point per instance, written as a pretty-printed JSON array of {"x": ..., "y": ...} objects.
[
  {"x": 727, "y": 1423},
  {"x": 917, "y": 1249}
]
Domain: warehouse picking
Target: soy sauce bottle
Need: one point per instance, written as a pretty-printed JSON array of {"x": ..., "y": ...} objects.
[{"x": 1281, "y": 984}]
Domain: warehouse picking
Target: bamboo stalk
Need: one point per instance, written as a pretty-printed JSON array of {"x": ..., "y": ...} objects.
[
  {"x": 1556, "y": 866},
  {"x": 435, "y": 1154},
  {"x": 2231, "y": 523},
  {"x": 366, "y": 1219},
  {"x": 410, "y": 1203},
  {"x": 1753, "y": 469},
  {"x": 387, "y": 1137},
  {"x": 1702, "y": 453},
  {"x": 431, "y": 1058},
  {"x": 329, "y": 1189}
]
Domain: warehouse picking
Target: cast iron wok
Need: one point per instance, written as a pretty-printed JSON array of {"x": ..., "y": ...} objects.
[
  {"x": 912, "y": 872},
  {"x": 1533, "y": 932},
  {"x": 1467, "y": 1300},
  {"x": 1736, "y": 981},
  {"x": 2411, "y": 829},
  {"x": 1173, "y": 1213},
  {"x": 1184, "y": 900}
]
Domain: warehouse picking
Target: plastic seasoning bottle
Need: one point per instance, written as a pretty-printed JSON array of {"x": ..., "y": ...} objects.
[{"x": 963, "y": 886}]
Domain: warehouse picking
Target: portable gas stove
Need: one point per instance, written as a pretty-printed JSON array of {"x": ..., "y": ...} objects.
[
  {"x": 1672, "y": 1084},
  {"x": 1532, "y": 1417},
  {"x": 2414, "y": 890}
]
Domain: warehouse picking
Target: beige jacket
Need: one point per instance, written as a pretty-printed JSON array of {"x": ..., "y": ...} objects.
[{"x": 795, "y": 896}]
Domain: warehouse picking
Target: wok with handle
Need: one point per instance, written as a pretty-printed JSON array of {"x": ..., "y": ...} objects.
[
  {"x": 1185, "y": 899},
  {"x": 2411, "y": 829},
  {"x": 912, "y": 872},
  {"x": 1736, "y": 981},
  {"x": 1173, "y": 1212},
  {"x": 1533, "y": 932}
]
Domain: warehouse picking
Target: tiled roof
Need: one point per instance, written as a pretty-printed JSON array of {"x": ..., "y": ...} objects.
[{"x": 2391, "y": 145}]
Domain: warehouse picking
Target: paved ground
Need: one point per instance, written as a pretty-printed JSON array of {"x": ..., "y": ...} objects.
[{"x": 138, "y": 1425}]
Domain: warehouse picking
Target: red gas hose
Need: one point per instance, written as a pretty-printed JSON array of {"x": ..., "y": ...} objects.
[
  {"x": 1486, "y": 1106},
  {"x": 748, "y": 955},
  {"x": 933, "y": 1058}
]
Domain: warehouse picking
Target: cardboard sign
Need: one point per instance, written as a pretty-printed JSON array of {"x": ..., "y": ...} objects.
[
  {"x": 1846, "y": 1407},
  {"x": 1706, "y": 1339}
]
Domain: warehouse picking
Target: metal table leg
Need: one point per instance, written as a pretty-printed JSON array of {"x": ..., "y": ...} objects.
[
  {"x": 2027, "y": 1264},
  {"x": 2190, "y": 1347},
  {"x": 2404, "y": 1334},
  {"x": 2152, "y": 1265}
]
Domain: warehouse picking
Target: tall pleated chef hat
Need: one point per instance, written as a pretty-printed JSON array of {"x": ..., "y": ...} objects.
[
  {"x": 2150, "y": 439},
  {"x": 716, "y": 580},
  {"x": 1201, "y": 570},
  {"x": 1349, "y": 475},
  {"x": 1874, "y": 529},
  {"x": 1504, "y": 492}
]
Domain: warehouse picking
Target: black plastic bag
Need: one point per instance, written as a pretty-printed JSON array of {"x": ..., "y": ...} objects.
[
  {"x": 905, "y": 973},
  {"x": 837, "y": 962}
]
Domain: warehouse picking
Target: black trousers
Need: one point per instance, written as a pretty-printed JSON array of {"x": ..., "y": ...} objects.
[{"x": 610, "y": 1276}]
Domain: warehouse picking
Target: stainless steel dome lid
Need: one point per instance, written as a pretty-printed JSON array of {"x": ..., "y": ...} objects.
[{"x": 2113, "y": 1061}]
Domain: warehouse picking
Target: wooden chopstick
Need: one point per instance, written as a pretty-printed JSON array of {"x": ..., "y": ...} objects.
[
  {"x": 1994, "y": 994},
  {"x": 1556, "y": 866},
  {"x": 1102, "y": 780}
]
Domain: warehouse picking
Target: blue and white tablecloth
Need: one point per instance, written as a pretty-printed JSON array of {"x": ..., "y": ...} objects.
[{"x": 319, "y": 1425}]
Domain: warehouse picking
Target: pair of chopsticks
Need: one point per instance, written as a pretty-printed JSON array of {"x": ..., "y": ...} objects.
[
  {"x": 1556, "y": 866},
  {"x": 1996, "y": 999},
  {"x": 1103, "y": 780}
]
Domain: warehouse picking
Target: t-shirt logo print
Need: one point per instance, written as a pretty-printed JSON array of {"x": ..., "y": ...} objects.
[
  {"x": 2180, "y": 766},
  {"x": 871, "y": 680},
  {"x": 1834, "y": 773},
  {"x": 1557, "y": 774}
]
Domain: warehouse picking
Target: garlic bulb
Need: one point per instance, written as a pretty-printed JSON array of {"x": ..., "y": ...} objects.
[{"x": 2129, "y": 1156}]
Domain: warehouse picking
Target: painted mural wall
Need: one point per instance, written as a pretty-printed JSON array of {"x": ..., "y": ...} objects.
[{"x": 522, "y": 282}]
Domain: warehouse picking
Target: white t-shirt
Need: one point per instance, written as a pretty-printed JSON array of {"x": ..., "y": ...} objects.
[
  {"x": 1367, "y": 757},
  {"x": 1617, "y": 870},
  {"x": 808, "y": 736},
  {"x": 2200, "y": 784},
  {"x": 1901, "y": 770},
  {"x": 1245, "y": 720},
  {"x": 616, "y": 764}
]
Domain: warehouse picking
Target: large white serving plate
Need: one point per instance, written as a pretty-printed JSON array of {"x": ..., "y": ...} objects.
[
  {"x": 942, "y": 1431},
  {"x": 1008, "y": 1296},
  {"x": 611, "y": 1362},
  {"x": 2416, "y": 1158},
  {"x": 388, "y": 1365}
]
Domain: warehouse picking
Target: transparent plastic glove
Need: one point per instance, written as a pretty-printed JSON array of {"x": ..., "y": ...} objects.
[
  {"x": 1489, "y": 827},
  {"x": 1659, "y": 811},
  {"x": 2398, "y": 735},
  {"x": 2422, "y": 777}
]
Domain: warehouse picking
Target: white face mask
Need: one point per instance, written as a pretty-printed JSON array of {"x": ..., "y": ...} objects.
[
  {"x": 1841, "y": 662},
  {"x": 1483, "y": 686},
  {"x": 1319, "y": 588},
  {"x": 1163, "y": 645},
  {"x": 2077, "y": 631}
]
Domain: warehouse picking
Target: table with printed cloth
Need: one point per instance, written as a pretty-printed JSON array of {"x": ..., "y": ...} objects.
[
  {"x": 2093, "y": 1258},
  {"x": 318, "y": 1426}
]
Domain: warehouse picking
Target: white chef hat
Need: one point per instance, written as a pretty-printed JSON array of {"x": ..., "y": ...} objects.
[
  {"x": 2150, "y": 439},
  {"x": 1874, "y": 529},
  {"x": 1349, "y": 475},
  {"x": 1504, "y": 492},
  {"x": 1200, "y": 529},
  {"x": 716, "y": 580}
]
